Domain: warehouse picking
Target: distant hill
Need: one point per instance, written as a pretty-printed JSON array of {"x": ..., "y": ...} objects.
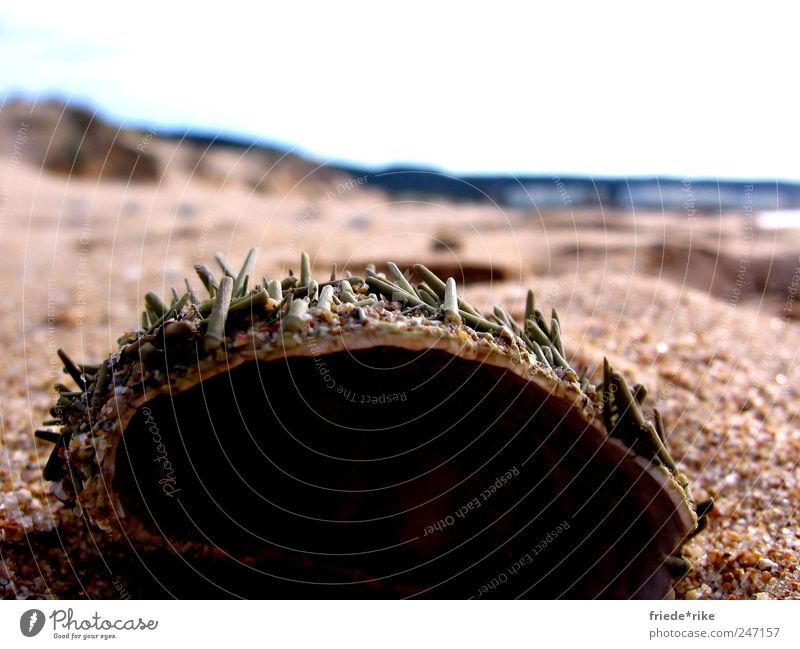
[
  {"x": 693, "y": 196},
  {"x": 73, "y": 140}
]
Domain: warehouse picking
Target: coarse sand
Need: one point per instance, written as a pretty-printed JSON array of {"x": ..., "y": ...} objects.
[{"x": 721, "y": 362}]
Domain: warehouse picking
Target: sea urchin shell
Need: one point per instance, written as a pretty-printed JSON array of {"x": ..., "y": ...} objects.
[{"x": 376, "y": 435}]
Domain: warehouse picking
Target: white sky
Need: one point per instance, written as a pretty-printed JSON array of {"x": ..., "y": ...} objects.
[{"x": 645, "y": 88}]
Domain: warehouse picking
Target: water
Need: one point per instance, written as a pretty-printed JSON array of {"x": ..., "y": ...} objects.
[{"x": 778, "y": 219}]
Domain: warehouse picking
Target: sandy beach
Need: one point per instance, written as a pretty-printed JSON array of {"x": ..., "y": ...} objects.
[{"x": 700, "y": 309}]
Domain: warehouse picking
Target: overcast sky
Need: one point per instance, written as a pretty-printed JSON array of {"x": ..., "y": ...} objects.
[{"x": 605, "y": 89}]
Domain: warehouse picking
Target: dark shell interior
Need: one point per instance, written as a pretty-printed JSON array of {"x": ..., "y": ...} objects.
[{"x": 393, "y": 472}]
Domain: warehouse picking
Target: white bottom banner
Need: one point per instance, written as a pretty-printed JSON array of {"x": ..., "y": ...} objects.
[{"x": 373, "y": 624}]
